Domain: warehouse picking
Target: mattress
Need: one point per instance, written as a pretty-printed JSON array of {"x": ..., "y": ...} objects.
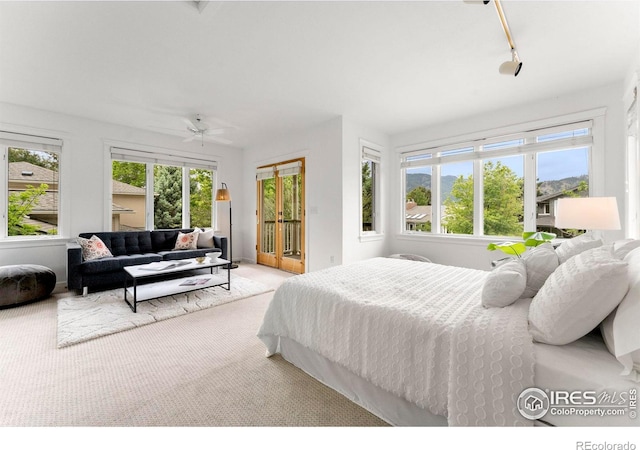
[{"x": 586, "y": 366}]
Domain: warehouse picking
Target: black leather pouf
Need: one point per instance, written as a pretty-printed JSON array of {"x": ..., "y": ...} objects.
[{"x": 25, "y": 283}]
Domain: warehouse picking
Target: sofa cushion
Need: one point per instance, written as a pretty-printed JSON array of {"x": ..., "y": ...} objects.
[
  {"x": 118, "y": 262},
  {"x": 125, "y": 242},
  {"x": 163, "y": 240}
]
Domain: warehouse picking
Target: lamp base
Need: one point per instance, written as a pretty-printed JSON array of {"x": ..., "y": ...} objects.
[{"x": 232, "y": 266}]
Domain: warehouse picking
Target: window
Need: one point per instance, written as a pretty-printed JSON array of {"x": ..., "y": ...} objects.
[
  {"x": 31, "y": 203},
  {"x": 370, "y": 222},
  {"x": 156, "y": 191},
  {"x": 496, "y": 185}
]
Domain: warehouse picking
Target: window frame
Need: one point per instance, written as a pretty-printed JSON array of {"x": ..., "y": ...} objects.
[
  {"x": 49, "y": 144},
  {"x": 595, "y": 119},
  {"x": 371, "y": 152},
  {"x": 151, "y": 156}
]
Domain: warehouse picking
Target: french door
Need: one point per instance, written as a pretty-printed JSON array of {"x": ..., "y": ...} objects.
[{"x": 280, "y": 216}]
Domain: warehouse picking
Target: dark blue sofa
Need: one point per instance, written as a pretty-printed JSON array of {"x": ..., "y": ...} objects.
[{"x": 128, "y": 248}]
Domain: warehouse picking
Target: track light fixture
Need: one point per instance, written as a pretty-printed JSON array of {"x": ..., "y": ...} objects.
[{"x": 509, "y": 67}]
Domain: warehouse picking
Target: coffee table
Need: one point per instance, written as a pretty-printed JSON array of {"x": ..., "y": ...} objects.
[{"x": 184, "y": 281}]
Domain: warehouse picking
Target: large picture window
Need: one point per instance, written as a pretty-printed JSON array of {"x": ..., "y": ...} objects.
[
  {"x": 31, "y": 200},
  {"x": 156, "y": 191},
  {"x": 496, "y": 185}
]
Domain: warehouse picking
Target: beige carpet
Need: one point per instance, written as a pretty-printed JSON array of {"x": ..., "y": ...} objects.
[
  {"x": 81, "y": 318},
  {"x": 206, "y": 369}
]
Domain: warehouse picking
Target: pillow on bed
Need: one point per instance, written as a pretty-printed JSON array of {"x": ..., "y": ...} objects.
[
  {"x": 622, "y": 247},
  {"x": 620, "y": 328},
  {"x": 578, "y": 296},
  {"x": 577, "y": 245},
  {"x": 504, "y": 285},
  {"x": 540, "y": 262}
]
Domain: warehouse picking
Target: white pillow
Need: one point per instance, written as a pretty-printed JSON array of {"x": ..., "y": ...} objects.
[
  {"x": 577, "y": 245},
  {"x": 577, "y": 297},
  {"x": 505, "y": 284},
  {"x": 540, "y": 262},
  {"x": 622, "y": 247},
  {"x": 205, "y": 238},
  {"x": 620, "y": 328}
]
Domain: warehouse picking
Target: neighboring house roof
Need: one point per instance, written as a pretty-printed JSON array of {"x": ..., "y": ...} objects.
[
  {"x": 30, "y": 173},
  {"x": 418, "y": 214},
  {"x": 47, "y": 204},
  {"x": 120, "y": 188},
  {"x": 563, "y": 193}
]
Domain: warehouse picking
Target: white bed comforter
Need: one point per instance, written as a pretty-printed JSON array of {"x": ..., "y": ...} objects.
[{"x": 415, "y": 329}]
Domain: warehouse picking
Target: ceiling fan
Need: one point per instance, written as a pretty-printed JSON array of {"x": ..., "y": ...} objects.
[{"x": 199, "y": 129}]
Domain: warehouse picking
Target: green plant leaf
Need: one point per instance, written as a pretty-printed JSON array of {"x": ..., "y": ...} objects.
[
  {"x": 510, "y": 248},
  {"x": 535, "y": 238}
]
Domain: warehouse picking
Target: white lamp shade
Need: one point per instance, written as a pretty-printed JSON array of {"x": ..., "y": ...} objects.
[{"x": 588, "y": 213}]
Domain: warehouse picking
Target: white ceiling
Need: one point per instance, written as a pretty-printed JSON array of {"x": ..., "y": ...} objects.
[{"x": 268, "y": 68}]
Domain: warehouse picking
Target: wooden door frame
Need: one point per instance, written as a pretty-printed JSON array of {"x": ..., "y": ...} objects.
[{"x": 280, "y": 261}]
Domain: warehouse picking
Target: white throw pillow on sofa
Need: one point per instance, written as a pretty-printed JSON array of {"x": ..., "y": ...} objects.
[
  {"x": 540, "y": 262},
  {"x": 576, "y": 245},
  {"x": 579, "y": 295},
  {"x": 205, "y": 238},
  {"x": 504, "y": 285},
  {"x": 620, "y": 329}
]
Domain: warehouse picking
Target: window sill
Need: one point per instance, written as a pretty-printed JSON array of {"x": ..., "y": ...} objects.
[
  {"x": 455, "y": 240},
  {"x": 371, "y": 237},
  {"x": 44, "y": 241}
]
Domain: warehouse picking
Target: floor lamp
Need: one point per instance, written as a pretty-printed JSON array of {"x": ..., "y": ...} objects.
[{"x": 223, "y": 195}]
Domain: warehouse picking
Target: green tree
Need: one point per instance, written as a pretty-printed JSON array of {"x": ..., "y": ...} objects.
[
  {"x": 38, "y": 158},
  {"x": 503, "y": 203},
  {"x": 20, "y": 206},
  {"x": 201, "y": 197},
  {"x": 367, "y": 196},
  {"x": 421, "y": 195},
  {"x": 132, "y": 173},
  {"x": 167, "y": 197},
  {"x": 503, "y": 200}
]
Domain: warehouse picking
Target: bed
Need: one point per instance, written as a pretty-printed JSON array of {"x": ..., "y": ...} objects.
[{"x": 412, "y": 343}]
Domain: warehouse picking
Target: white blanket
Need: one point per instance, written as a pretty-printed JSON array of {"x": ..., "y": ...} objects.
[{"x": 415, "y": 329}]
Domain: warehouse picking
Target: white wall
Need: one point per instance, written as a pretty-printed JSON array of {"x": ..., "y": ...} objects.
[
  {"x": 472, "y": 253},
  {"x": 353, "y": 248},
  {"x": 84, "y": 187},
  {"x": 321, "y": 146}
]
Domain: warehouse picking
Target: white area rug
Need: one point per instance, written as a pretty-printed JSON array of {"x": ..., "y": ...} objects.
[{"x": 102, "y": 313}]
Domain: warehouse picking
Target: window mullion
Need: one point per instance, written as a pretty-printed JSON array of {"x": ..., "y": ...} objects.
[
  {"x": 436, "y": 201},
  {"x": 478, "y": 197},
  {"x": 186, "y": 198},
  {"x": 530, "y": 191}
]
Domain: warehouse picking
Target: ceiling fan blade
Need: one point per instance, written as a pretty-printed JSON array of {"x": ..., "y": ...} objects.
[
  {"x": 215, "y": 131},
  {"x": 190, "y": 125},
  {"x": 190, "y": 138}
]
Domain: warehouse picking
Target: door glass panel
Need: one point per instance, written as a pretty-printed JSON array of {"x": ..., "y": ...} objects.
[
  {"x": 268, "y": 219},
  {"x": 292, "y": 213}
]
